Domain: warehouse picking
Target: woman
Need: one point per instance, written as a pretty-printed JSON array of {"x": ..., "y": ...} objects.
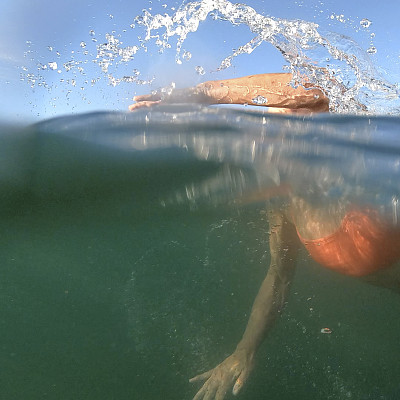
[{"x": 355, "y": 241}]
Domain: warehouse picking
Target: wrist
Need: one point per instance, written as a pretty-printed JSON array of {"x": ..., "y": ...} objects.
[
  {"x": 215, "y": 92},
  {"x": 196, "y": 94},
  {"x": 246, "y": 350}
]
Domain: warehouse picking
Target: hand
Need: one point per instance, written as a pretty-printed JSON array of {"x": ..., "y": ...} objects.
[
  {"x": 233, "y": 371},
  {"x": 145, "y": 101},
  {"x": 200, "y": 94}
]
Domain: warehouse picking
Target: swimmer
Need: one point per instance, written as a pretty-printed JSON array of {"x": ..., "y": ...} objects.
[{"x": 355, "y": 241}]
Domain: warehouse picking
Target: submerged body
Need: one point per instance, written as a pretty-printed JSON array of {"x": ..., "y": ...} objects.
[
  {"x": 361, "y": 245},
  {"x": 349, "y": 239}
]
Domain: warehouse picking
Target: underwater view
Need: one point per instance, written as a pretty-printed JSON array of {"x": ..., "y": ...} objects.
[{"x": 200, "y": 200}]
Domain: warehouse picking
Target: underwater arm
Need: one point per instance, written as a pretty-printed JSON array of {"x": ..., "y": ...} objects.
[
  {"x": 270, "y": 90},
  {"x": 270, "y": 300}
]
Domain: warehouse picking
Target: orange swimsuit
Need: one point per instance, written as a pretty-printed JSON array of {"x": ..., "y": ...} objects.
[{"x": 363, "y": 244}]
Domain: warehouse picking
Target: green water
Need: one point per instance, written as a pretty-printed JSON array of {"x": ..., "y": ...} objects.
[
  {"x": 121, "y": 299},
  {"x": 106, "y": 294}
]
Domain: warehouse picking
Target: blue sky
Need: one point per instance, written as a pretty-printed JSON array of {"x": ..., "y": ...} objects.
[{"x": 44, "y": 32}]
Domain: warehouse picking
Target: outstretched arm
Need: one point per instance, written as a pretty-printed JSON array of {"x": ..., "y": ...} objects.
[
  {"x": 271, "y": 90},
  {"x": 270, "y": 300}
]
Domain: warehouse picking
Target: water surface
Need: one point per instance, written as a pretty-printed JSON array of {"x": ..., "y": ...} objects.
[{"x": 127, "y": 266}]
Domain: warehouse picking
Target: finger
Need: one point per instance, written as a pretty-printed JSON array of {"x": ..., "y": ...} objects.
[
  {"x": 143, "y": 104},
  {"x": 221, "y": 392},
  {"x": 240, "y": 381},
  {"x": 148, "y": 97},
  {"x": 143, "y": 97},
  {"x": 237, "y": 386},
  {"x": 133, "y": 107},
  {"x": 206, "y": 392},
  {"x": 201, "y": 377},
  {"x": 210, "y": 391},
  {"x": 200, "y": 393}
]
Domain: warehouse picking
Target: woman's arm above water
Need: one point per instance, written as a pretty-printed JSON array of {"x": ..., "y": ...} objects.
[
  {"x": 233, "y": 372},
  {"x": 270, "y": 90}
]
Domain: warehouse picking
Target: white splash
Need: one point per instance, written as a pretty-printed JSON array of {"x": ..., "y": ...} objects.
[{"x": 335, "y": 63}]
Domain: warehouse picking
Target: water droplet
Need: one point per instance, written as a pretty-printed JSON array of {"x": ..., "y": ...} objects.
[
  {"x": 49, "y": 48},
  {"x": 68, "y": 65},
  {"x": 53, "y": 65},
  {"x": 341, "y": 18},
  {"x": 200, "y": 70},
  {"x": 259, "y": 100},
  {"x": 372, "y": 50},
  {"x": 82, "y": 44},
  {"x": 187, "y": 55},
  {"x": 365, "y": 23},
  {"x": 92, "y": 32}
]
